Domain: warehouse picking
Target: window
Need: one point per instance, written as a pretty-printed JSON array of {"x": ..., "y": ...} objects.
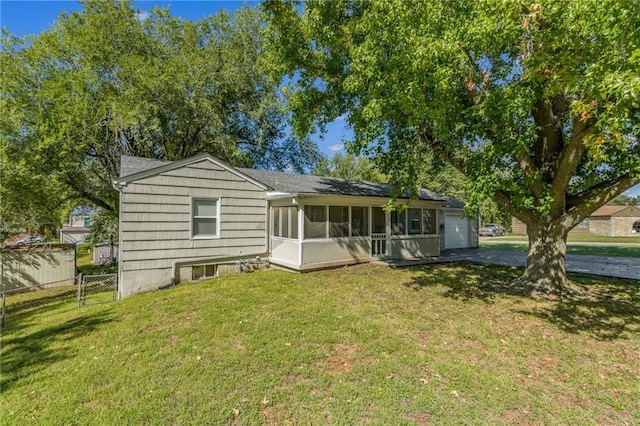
[
  {"x": 635, "y": 229},
  {"x": 428, "y": 221},
  {"x": 285, "y": 222},
  {"x": 359, "y": 221},
  {"x": 584, "y": 224},
  {"x": 87, "y": 222},
  {"x": 415, "y": 221},
  {"x": 203, "y": 271},
  {"x": 315, "y": 222},
  {"x": 338, "y": 221},
  {"x": 205, "y": 221}
]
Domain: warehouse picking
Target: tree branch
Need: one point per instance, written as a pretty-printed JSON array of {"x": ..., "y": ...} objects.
[
  {"x": 581, "y": 205},
  {"x": 568, "y": 163}
]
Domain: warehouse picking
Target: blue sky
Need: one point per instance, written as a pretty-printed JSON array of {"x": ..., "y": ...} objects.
[{"x": 23, "y": 17}]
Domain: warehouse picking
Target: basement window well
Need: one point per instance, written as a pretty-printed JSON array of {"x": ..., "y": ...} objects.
[{"x": 203, "y": 271}]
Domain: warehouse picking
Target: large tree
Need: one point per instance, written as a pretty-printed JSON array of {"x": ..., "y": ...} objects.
[
  {"x": 535, "y": 102},
  {"x": 109, "y": 80}
]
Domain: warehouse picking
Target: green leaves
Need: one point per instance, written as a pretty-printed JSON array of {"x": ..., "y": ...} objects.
[
  {"x": 497, "y": 89},
  {"x": 104, "y": 82}
]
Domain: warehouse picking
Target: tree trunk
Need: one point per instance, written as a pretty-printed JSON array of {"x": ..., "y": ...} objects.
[{"x": 545, "y": 272}]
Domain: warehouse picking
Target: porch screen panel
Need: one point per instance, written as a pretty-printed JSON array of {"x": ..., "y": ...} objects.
[
  {"x": 285, "y": 222},
  {"x": 338, "y": 221},
  {"x": 378, "y": 220},
  {"x": 429, "y": 221},
  {"x": 293, "y": 220},
  {"x": 415, "y": 221},
  {"x": 360, "y": 221},
  {"x": 275, "y": 231},
  {"x": 315, "y": 222},
  {"x": 398, "y": 223}
]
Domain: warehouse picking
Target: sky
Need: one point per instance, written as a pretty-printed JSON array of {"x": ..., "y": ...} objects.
[{"x": 24, "y": 17}]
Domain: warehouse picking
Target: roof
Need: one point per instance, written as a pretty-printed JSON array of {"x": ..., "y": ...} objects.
[
  {"x": 308, "y": 184},
  {"x": 130, "y": 165},
  {"x": 283, "y": 182},
  {"x": 609, "y": 210}
]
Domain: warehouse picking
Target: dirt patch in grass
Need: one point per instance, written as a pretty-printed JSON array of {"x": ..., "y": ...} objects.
[{"x": 342, "y": 358}]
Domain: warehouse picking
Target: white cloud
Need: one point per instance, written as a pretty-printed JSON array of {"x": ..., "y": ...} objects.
[
  {"x": 336, "y": 147},
  {"x": 142, "y": 15}
]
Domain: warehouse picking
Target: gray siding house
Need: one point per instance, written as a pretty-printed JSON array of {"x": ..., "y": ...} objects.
[{"x": 197, "y": 217}]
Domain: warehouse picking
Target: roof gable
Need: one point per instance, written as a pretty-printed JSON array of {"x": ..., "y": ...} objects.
[{"x": 165, "y": 166}]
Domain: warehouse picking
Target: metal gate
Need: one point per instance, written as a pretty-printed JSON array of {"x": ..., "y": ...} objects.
[{"x": 95, "y": 289}]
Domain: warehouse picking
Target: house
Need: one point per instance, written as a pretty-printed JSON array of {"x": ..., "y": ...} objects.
[
  {"x": 198, "y": 217},
  {"x": 78, "y": 228},
  {"x": 610, "y": 221}
]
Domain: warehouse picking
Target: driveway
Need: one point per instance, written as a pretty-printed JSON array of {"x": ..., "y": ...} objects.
[{"x": 619, "y": 267}]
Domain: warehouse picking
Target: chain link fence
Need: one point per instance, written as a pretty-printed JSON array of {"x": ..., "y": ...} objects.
[
  {"x": 96, "y": 289},
  {"x": 27, "y": 300},
  {"x": 87, "y": 290}
]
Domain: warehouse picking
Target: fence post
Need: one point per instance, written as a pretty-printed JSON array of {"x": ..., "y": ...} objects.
[
  {"x": 79, "y": 283},
  {"x": 4, "y": 307}
]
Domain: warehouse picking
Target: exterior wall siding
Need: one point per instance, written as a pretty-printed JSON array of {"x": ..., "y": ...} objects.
[
  {"x": 324, "y": 253},
  {"x": 406, "y": 247},
  {"x": 155, "y": 223}
]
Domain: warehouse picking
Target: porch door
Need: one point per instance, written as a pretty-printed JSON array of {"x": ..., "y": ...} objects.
[{"x": 379, "y": 236}]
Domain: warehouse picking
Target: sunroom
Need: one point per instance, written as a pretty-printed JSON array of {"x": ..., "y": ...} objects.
[{"x": 312, "y": 232}]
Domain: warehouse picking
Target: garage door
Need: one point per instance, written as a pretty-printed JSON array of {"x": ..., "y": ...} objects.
[{"x": 456, "y": 232}]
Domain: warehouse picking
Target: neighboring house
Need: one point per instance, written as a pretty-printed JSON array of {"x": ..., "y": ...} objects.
[
  {"x": 197, "y": 217},
  {"x": 78, "y": 228},
  {"x": 610, "y": 221}
]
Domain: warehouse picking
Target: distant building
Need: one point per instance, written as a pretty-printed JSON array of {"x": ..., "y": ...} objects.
[
  {"x": 79, "y": 226},
  {"x": 609, "y": 221}
]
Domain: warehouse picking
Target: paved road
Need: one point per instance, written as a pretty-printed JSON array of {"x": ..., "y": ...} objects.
[{"x": 620, "y": 267}]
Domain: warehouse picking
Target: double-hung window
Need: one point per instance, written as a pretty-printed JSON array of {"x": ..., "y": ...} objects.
[{"x": 205, "y": 218}]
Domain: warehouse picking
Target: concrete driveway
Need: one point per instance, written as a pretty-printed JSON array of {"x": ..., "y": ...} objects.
[{"x": 620, "y": 267}]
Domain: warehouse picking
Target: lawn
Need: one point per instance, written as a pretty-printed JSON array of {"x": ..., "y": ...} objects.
[
  {"x": 362, "y": 345},
  {"x": 614, "y": 251}
]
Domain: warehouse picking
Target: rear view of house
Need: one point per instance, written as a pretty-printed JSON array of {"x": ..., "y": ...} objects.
[{"x": 197, "y": 217}]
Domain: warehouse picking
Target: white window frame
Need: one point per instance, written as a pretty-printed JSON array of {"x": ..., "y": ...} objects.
[{"x": 192, "y": 217}]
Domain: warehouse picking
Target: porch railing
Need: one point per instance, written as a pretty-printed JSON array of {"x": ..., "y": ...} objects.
[{"x": 378, "y": 244}]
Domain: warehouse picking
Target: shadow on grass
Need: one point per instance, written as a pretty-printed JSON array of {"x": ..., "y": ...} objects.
[
  {"x": 608, "y": 310},
  {"x": 466, "y": 281},
  {"x": 28, "y": 354}
]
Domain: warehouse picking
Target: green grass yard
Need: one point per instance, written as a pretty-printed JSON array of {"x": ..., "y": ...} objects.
[
  {"x": 362, "y": 345},
  {"x": 614, "y": 251}
]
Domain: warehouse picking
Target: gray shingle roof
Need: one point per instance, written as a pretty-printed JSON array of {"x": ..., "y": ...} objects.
[
  {"x": 130, "y": 165},
  {"x": 290, "y": 183},
  {"x": 307, "y": 184}
]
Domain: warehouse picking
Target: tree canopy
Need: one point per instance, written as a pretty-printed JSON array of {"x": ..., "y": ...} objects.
[
  {"x": 349, "y": 166},
  {"x": 107, "y": 81},
  {"x": 535, "y": 103}
]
